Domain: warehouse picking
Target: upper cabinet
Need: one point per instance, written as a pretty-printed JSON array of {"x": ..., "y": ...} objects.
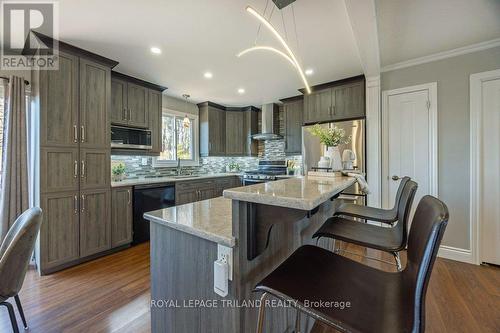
[
  {"x": 212, "y": 130},
  {"x": 227, "y": 131},
  {"x": 155, "y": 119},
  {"x": 130, "y": 99},
  {"x": 336, "y": 101},
  {"x": 293, "y": 110}
]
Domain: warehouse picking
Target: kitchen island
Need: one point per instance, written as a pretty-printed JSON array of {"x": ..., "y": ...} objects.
[{"x": 261, "y": 225}]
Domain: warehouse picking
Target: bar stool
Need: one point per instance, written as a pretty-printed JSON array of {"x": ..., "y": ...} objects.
[
  {"x": 371, "y": 213},
  {"x": 391, "y": 240},
  {"x": 378, "y": 301}
]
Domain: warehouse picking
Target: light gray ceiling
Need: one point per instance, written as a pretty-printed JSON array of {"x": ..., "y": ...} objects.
[
  {"x": 200, "y": 35},
  {"x": 409, "y": 29}
]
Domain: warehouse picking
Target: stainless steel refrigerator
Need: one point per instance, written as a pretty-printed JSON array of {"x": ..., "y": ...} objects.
[{"x": 312, "y": 150}]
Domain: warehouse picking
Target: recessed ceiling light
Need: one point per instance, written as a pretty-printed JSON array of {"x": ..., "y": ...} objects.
[
  {"x": 241, "y": 91},
  {"x": 309, "y": 71},
  {"x": 208, "y": 75},
  {"x": 155, "y": 50}
]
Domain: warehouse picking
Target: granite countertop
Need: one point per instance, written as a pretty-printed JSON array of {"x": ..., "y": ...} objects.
[
  {"x": 209, "y": 219},
  {"x": 303, "y": 192},
  {"x": 168, "y": 179}
]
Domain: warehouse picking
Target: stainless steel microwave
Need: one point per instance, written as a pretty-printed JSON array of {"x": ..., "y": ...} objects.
[{"x": 130, "y": 138}]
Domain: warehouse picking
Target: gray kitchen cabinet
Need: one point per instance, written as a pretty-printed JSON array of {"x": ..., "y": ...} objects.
[
  {"x": 235, "y": 136},
  {"x": 336, "y": 101},
  {"x": 251, "y": 127},
  {"x": 293, "y": 118},
  {"x": 119, "y": 112},
  {"x": 349, "y": 101},
  {"x": 121, "y": 216},
  {"x": 95, "y": 102},
  {"x": 73, "y": 103},
  {"x": 135, "y": 102},
  {"x": 186, "y": 196},
  {"x": 59, "y": 234},
  {"x": 212, "y": 130},
  {"x": 95, "y": 221},
  {"x": 203, "y": 189},
  {"x": 155, "y": 120},
  {"x": 58, "y": 92},
  {"x": 95, "y": 166},
  {"x": 137, "y": 105},
  {"x": 60, "y": 167}
]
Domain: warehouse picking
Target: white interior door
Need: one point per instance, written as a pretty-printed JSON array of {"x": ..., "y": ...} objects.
[
  {"x": 489, "y": 178},
  {"x": 409, "y": 143}
]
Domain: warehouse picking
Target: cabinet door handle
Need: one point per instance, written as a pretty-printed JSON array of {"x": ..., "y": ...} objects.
[
  {"x": 124, "y": 114},
  {"x": 129, "y": 114},
  {"x": 83, "y": 133},
  {"x": 75, "y": 174},
  {"x": 83, "y": 169},
  {"x": 83, "y": 202},
  {"x": 129, "y": 197},
  {"x": 75, "y": 204},
  {"x": 75, "y": 134}
]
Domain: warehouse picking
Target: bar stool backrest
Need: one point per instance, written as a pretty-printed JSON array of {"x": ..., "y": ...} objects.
[
  {"x": 16, "y": 251},
  {"x": 404, "y": 209},
  {"x": 399, "y": 193},
  {"x": 427, "y": 229}
]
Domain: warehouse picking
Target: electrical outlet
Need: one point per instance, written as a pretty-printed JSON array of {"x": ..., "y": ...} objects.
[
  {"x": 226, "y": 254},
  {"x": 144, "y": 161}
]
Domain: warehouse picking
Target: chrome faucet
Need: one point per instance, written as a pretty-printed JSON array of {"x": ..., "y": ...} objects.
[{"x": 179, "y": 169}]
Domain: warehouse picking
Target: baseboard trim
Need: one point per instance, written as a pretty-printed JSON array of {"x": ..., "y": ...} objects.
[{"x": 457, "y": 254}]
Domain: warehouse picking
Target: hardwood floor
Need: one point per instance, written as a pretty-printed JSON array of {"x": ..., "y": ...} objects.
[{"x": 111, "y": 294}]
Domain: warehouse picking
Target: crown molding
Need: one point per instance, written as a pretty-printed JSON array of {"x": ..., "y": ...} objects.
[{"x": 443, "y": 55}]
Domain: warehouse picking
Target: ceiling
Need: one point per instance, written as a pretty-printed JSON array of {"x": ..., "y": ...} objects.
[
  {"x": 409, "y": 29},
  {"x": 197, "y": 36}
]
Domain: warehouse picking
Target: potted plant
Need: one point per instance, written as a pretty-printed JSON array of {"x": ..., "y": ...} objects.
[
  {"x": 331, "y": 137},
  {"x": 233, "y": 167},
  {"x": 118, "y": 172}
]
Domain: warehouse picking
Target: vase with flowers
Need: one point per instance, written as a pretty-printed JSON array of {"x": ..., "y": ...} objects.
[{"x": 331, "y": 137}]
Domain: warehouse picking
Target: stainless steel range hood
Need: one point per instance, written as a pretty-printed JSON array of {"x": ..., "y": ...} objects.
[{"x": 270, "y": 123}]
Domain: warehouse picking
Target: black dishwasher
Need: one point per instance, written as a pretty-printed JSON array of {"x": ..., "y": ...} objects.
[{"x": 148, "y": 198}]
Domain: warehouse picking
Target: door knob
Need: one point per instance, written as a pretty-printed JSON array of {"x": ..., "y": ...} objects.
[{"x": 395, "y": 178}]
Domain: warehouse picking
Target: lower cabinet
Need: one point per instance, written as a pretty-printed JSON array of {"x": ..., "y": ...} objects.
[
  {"x": 95, "y": 222},
  {"x": 197, "y": 190},
  {"x": 60, "y": 230},
  {"x": 121, "y": 216}
]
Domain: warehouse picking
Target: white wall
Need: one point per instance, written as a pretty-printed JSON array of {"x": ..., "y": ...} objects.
[
  {"x": 452, "y": 77},
  {"x": 178, "y": 104}
]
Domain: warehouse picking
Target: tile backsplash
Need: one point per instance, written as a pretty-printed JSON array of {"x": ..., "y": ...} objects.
[{"x": 268, "y": 150}]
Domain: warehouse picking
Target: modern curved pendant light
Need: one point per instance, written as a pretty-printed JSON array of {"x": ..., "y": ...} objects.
[
  {"x": 270, "y": 27},
  {"x": 266, "y": 48}
]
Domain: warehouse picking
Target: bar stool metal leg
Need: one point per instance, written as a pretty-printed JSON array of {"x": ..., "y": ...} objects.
[
  {"x": 12, "y": 316},
  {"x": 21, "y": 312},
  {"x": 398, "y": 261},
  {"x": 262, "y": 309}
]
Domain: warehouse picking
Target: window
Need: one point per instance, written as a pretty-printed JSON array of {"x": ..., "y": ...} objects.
[{"x": 179, "y": 140}]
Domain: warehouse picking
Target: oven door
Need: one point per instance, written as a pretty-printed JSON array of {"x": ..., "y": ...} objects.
[{"x": 247, "y": 182}]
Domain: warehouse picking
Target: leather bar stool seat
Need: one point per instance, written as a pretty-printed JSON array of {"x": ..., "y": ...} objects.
[
  {"x": 379, "y": 301},
  {"x": 313, "y": 276},
  {"x": 371, "y": 213},
  {"x": 363, "y": 234}
]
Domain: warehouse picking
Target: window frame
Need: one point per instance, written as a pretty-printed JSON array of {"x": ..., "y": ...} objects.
[{"x": 157, "y": 163}]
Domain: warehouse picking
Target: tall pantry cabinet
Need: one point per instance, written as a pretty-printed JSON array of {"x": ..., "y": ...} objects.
[{"x": 72, "y": 107}]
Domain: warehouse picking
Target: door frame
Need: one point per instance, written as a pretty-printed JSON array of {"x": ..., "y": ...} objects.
[
  {"x": 433, "y": 137},
  {"x": 476, "y": 81}
]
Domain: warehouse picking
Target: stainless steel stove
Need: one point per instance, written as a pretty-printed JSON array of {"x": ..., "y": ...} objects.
[{"x": 266, "y": 172}]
